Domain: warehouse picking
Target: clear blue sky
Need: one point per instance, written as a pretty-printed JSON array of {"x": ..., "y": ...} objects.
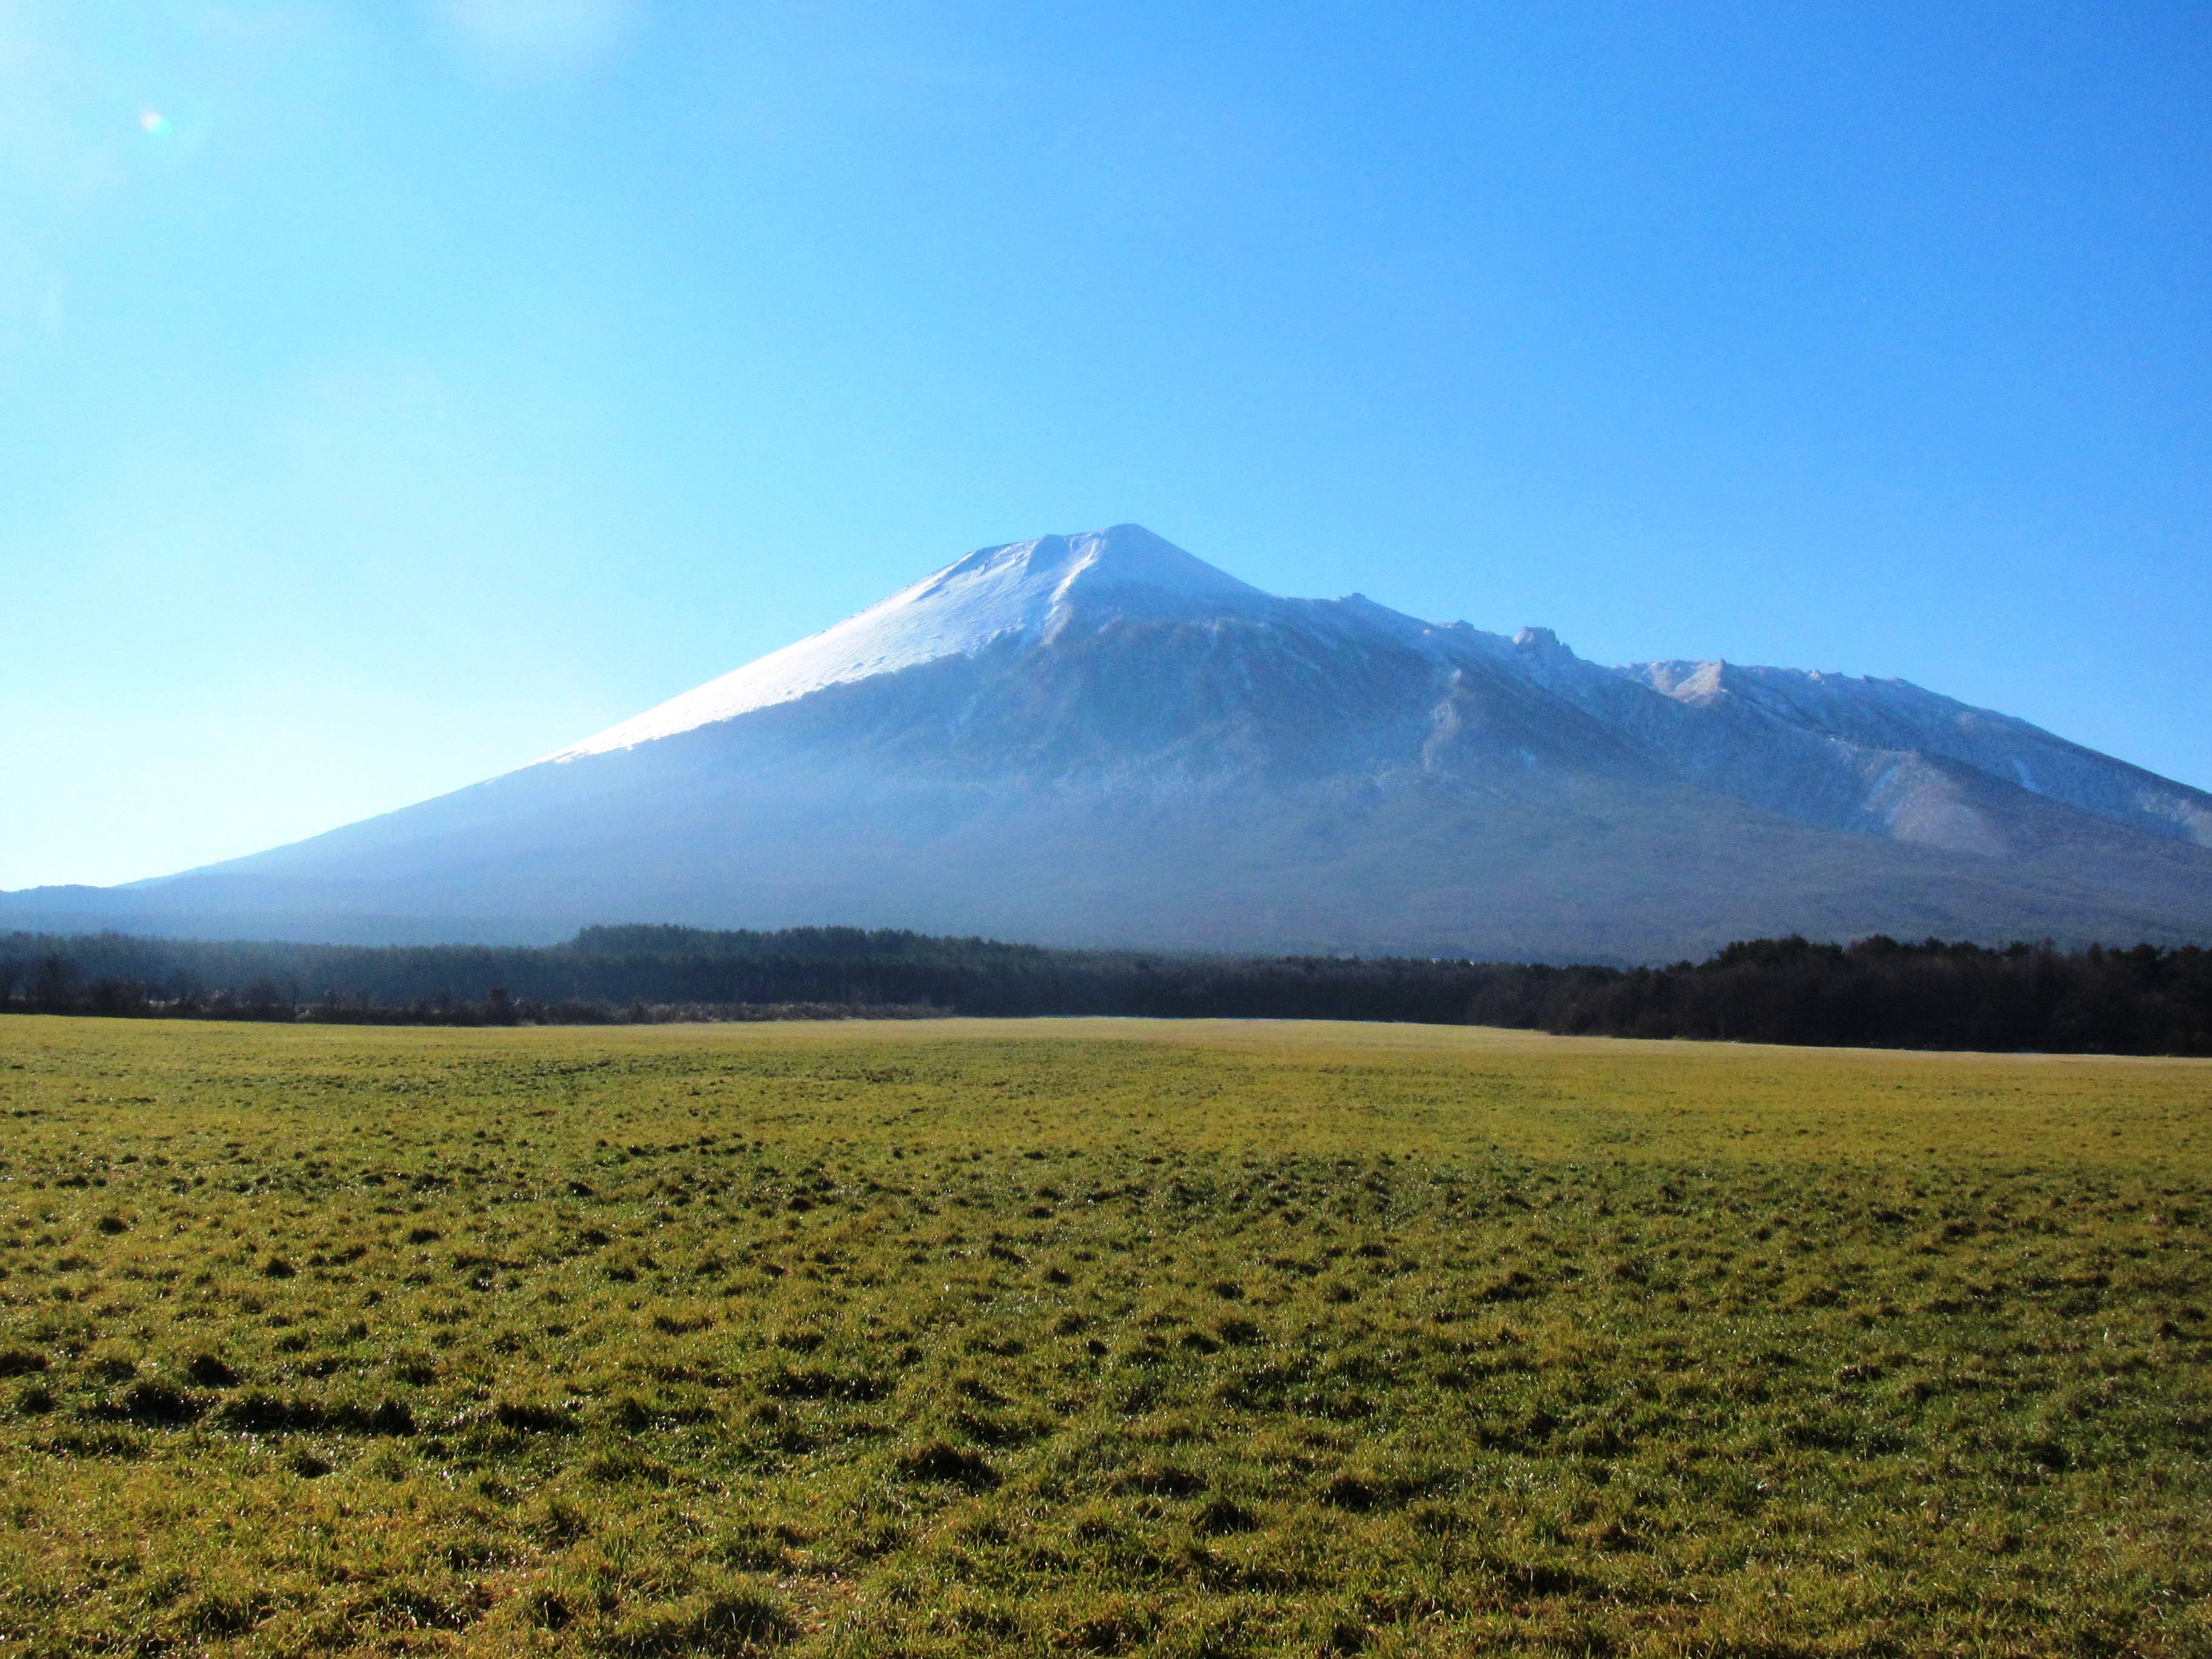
[{"x": 393, "y": 392}]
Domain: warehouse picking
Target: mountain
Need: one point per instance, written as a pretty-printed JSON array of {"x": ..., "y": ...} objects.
[{"x": 1100, "y": 739}]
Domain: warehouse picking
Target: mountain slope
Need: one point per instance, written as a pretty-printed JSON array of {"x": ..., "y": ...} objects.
[{"x": 1101, "y": 739}]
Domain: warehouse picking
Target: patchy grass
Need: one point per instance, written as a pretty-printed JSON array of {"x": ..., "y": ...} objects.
[{"x": 1094, "y": 1337}]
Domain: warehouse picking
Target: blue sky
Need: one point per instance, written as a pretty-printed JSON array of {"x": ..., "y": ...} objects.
[{"x": 392, "y": 392}]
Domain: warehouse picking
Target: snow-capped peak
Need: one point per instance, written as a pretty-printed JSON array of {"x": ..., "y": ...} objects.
[{"x": 1025, "y": 589}]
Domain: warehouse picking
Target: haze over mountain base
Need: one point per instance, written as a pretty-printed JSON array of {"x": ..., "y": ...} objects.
[{"x": 1100, "y": 739}]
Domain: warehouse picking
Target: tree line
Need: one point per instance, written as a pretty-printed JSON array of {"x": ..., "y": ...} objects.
[{"x": 1876, "y": 993}]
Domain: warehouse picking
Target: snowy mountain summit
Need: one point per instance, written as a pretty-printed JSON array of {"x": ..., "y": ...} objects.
[
  {"x": 1101, "y": 739},
  {"x": 1027, "y": 590}
]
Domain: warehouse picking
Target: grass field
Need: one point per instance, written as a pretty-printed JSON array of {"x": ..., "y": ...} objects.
[{"x": 1094, "y": 1337}]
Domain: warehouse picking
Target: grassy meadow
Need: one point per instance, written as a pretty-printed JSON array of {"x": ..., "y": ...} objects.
[{"x": 1094, "y": 1337}]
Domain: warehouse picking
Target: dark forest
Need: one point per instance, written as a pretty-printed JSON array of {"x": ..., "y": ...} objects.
[{"x": 1876, "y": 993}]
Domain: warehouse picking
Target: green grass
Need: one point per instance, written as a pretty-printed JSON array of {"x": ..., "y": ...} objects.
[{"x": 1094, "y": 1337}]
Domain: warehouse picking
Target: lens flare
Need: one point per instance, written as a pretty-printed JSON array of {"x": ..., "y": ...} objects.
[{"x": 155, "y": 123}]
